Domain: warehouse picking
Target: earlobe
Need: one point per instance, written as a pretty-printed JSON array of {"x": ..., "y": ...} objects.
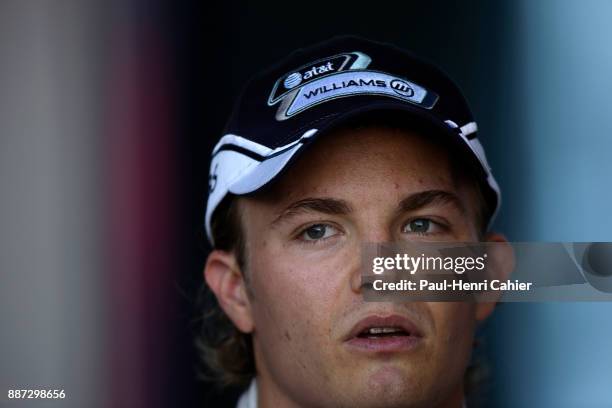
[
  {"x": 224, "y": 277},
  {"x": 501, "y": 264}
]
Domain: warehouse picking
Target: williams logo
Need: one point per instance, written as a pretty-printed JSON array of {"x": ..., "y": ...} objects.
[
  {"x": 402, "y": 87},
  {"x": 341, "y": 76}
]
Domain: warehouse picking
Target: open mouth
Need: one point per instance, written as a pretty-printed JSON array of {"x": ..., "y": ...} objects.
[
  {"x": 379, "y": 332},
  {"x": 384, "y": 334}
]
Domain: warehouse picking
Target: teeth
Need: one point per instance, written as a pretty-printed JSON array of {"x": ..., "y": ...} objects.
[{"x": 383, "y": 330}]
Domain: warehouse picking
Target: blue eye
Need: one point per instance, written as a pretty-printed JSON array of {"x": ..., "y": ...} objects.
[
  {"x": 317, "y": 232},
  {"x": 421, "y": 226}
]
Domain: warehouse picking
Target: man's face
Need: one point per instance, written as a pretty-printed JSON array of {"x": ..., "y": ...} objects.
[{"x": 303, "y": 265}]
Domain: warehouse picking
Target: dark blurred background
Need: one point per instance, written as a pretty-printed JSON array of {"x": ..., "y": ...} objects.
[{"x": 109, "y": 111}]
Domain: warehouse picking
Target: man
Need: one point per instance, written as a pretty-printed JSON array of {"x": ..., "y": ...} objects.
[{"x": 347, "y": 142}]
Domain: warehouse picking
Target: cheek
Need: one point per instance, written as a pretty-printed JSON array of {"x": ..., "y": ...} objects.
[
  {"x": 296, "y": 301},
  {"x": 454, "y": 328},
  {"x": 295, "y": 294}
]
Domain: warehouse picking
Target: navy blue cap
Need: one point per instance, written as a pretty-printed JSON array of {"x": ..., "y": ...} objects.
[{"x": 283, "y": 109}]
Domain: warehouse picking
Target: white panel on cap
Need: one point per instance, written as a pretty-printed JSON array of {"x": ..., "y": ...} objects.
[
  {"x": 238, "y": 173},
  {"x": 255, "y": 147},
  {"x": 225, "y": 168},
  {"x": 262, "y": 173},
  {"x": 242, "y": 142},
  {"x": 478, "y": 150},
  {"x": 469, "y": 128}
]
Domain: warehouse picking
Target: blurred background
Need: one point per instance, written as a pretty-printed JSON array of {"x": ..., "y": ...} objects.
[{"x": 108, "y": 112}]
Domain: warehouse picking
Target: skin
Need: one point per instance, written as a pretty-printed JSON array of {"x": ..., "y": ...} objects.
[{"x": 302, "y": 294}]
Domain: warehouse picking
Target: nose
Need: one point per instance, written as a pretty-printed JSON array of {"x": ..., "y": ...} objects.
[
  {"x": 370, "y": 236},
  {"x": 355, "y": 278}
]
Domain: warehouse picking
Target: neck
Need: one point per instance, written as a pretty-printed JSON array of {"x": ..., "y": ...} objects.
[{"x": 269, "y": 395}]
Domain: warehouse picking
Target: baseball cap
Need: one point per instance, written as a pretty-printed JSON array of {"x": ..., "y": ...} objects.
[{"x": 282, "y": 110}]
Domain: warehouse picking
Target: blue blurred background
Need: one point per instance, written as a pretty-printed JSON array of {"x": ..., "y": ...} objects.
[{"x": 108, "y": 112}]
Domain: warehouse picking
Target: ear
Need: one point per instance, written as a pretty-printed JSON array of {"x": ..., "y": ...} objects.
[
  {"x": 225, "y": 279},
  {"x": 501, "y": 264}
]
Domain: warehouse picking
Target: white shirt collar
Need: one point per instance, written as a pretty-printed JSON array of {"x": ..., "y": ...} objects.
[{"x": 248, "y": 399}]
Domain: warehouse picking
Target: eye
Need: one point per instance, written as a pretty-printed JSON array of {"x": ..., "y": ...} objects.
[
  {"x": 318, "y": 232},
  {"x": 421, "y": 226}
]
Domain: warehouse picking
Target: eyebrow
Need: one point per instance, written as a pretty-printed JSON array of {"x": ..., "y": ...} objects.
[
  {"x": 334, "y": 206},
  {"x": 430, "y": 197},
  {"x": 329, "y": 206}
]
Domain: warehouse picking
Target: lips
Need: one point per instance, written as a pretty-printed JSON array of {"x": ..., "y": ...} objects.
[{"x": 382, "y": 334}]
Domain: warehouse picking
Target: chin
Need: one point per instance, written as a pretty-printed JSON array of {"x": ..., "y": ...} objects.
[{"x": 391, "y": 386}]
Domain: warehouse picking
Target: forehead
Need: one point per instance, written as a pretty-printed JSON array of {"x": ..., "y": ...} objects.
[{"x": 371, "y": 157}]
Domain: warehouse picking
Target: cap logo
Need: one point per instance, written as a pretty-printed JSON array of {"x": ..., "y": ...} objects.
[
  {"x": 317, "y": 69},
  {"x": 402, "y": 88},
  {"x": 292, "y": 80},
  {"x": 341, "y": 76},
  {"x": 286, "y": 85}
]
